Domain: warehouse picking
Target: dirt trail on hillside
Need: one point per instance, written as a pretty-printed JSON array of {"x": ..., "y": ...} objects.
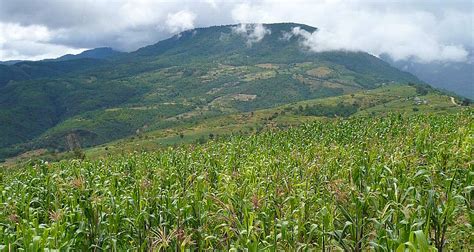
[{"x": 453, "y": 101}]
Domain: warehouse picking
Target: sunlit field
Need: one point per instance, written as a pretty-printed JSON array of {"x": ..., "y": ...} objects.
[{"x": 401, "y": 183}]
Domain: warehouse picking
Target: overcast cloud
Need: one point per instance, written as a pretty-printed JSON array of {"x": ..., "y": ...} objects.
[{"x": 423, "y": 30}]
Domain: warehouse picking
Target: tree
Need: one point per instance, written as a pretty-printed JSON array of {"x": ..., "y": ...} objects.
[
  {"x": 466, "y": 102},
  {"x": 78, "y": 153},
  {"x": 420, "y": 90}
]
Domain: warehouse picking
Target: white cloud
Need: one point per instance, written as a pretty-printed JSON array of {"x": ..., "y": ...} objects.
[
  {"x": 180, "y": 21},
  {"x": 15, "y": 32},
  {"x": 405, "y": 29},
  {"x": 246, "y": 13},
  {"x": 323, "y": 40},
  {"x": 420, "y": 29},
  {"x": 30, "y": 42},
  {"x": 212, "y": 3},
  {"x": 254, "y": 33}
]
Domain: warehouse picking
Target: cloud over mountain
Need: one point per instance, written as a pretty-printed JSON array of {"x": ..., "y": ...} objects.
[
  {"x": 421, "y": 30},
  {"x": 180, "y": 21},
  {"x": 252, "y": 32}
]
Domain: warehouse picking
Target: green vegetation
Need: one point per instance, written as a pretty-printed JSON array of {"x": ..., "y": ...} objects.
[
  {"x": 196, "y": 125},
  {"x": 329, "y": 111},
  {"x": 199, "y": 74},
  {"x": 395, "y": 182},
  {"x": 203, "y": 142}
]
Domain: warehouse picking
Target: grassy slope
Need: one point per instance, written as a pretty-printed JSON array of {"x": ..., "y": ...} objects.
[
  {"x": 199, "y": 128},
  {"x": 381, "y": 101}
]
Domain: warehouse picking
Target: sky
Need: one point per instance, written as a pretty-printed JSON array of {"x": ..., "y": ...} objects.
[{"x": 420, "y": 30}]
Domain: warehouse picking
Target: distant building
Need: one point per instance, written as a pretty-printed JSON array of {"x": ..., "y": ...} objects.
[{"x": 417, "y": 100}]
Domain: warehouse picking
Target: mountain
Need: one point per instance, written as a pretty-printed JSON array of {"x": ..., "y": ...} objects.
[
  {"x": 26, "y": 70},
  {"x": 457, "y": 77},
  {"x": 194, "y": 75},
  {"x": 34, "y": 70},
  {"x": 10, "y": 62},
  {"x": 96, "y": 53},
  {"x": 9, "y": 73},
  {"x": 67, "y": 64}
]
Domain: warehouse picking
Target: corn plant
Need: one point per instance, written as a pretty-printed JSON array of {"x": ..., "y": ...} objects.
[{"x": 394, "y": 183}]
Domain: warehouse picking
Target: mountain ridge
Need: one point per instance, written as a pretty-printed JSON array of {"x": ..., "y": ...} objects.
[
  {"x": 95, "y": 53},
  {"x": 192, "y": 75},
  {"x": 457, "y": 77}
]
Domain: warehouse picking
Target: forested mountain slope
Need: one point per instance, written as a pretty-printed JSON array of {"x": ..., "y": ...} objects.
[{"x": 200, "y": 72}]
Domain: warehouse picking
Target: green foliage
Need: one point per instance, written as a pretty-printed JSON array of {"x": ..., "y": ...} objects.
[
  {"x": 416, "y": 242},
  {"x": 420, "y": 90},
  {"x": 8, "y": 73},
  {"x": 466, "y": 102},
  {"x": 78, "y": 153},
  {"x": 340, "y": 109},
  {"x": 393, "y": 183},
  {"x": 199, "y": 72}
]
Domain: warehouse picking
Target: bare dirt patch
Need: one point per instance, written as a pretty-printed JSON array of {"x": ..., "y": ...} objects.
[
  {"x": 259, "y": 76},
  {"x": 320, "y": 72},
  {"x": 244, "y": 97},
  {"x": 268, "y": 66}
]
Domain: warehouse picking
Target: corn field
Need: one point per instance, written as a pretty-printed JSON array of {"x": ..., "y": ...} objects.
[{"x": 396, "y": 183}]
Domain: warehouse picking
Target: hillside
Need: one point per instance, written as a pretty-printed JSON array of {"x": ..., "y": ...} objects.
[
  {"x": 10, "y": 62},
  {"x": 17, "y": 70},
  {"x": 203, "y": 125},
  {"x": 395, "y": 99},
  {"x": 96, "y": 53},
  {"x": 456, "y": 77},
  {"x": 190, "y": 125},
  {"x": 206, "y": 71},
  {"x": 391, "y": 183},
  {"x": 8, "y": 73}
]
